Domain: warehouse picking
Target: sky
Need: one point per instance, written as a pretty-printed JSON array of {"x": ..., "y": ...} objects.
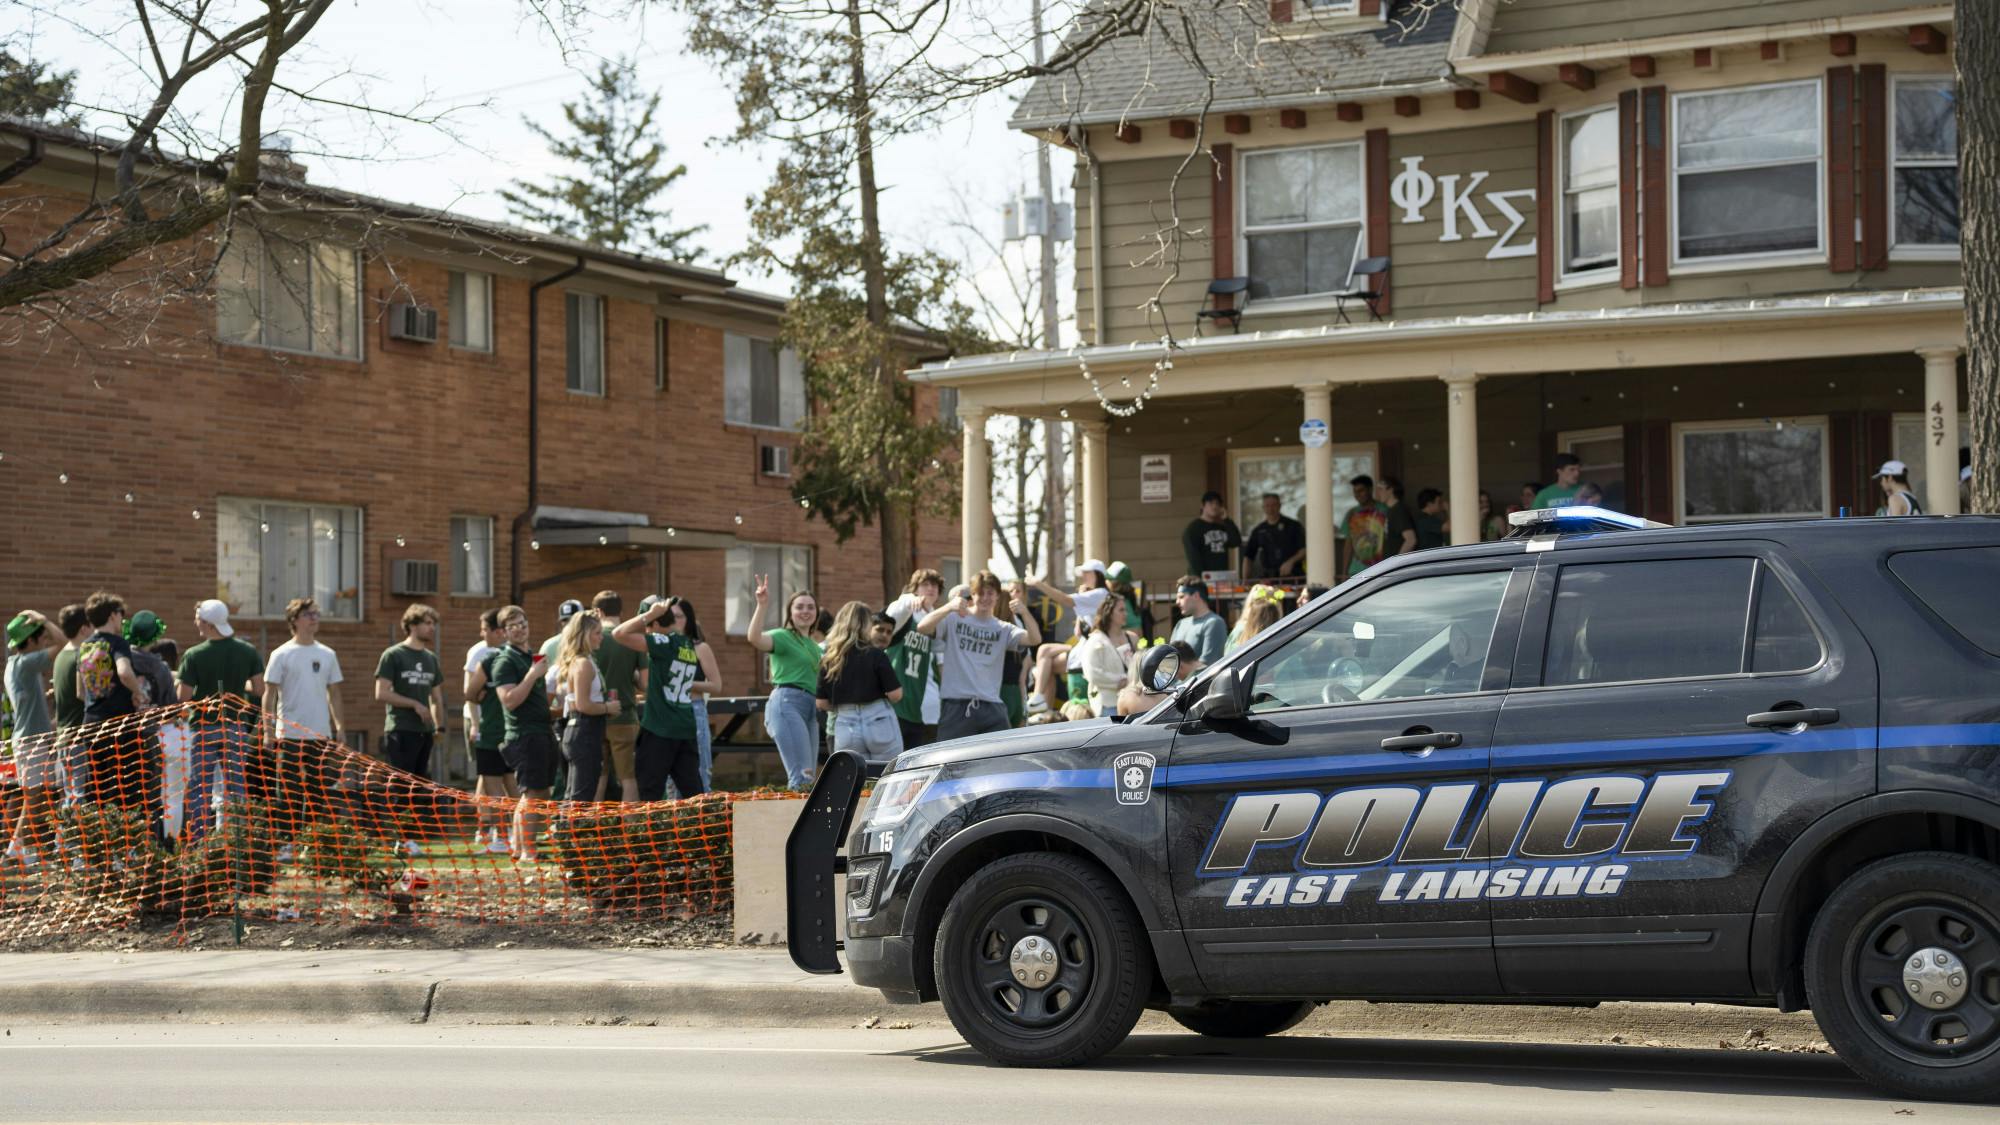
[{"x": 491, "y": 63}]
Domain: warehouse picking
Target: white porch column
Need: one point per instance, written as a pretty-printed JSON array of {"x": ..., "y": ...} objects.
[
  {"x": 1461, "y": 414},
  {"x": 1096, "y": 490},
  {"x": 1940, "y": 417},
  {"x": 1319, "y": 490},
  {"x": 975, "y": 544}
]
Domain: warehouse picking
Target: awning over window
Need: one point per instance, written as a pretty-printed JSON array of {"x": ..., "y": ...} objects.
[{"x": 587, "y": 527}]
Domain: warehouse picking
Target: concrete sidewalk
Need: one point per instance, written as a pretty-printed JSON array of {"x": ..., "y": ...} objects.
[{"x": 698, "y": 988}]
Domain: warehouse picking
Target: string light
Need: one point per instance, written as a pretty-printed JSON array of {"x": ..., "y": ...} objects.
[
  {"x": 197, "y": 513},
  {"x": 264, "y": 527},
  {"x": 1127, "y": 409},
  {"x": 604, "y": 541},
  {"x": 739, "y": 519},
  {"x": 465, "y": 545},
  {"x": 807, "y": 504},
  {"x": 670, "y": 533},
  {"x": 399, "y": 541},
  {"x": 534, "y": 544},
  {"x": 62, "y": 478},
  {"x": 128, "y": 498}
]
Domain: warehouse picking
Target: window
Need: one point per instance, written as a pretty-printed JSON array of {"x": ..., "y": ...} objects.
[
  {"x": 948, "y": 409},
  {"x": 1957, "y": 585},
  {"x": 1926, "y": 156},
  {"x": 1747, "y": 172},
  {"x": 584, "y": 336},
  {"x": 790, "y": 569},
  {"x": 1668, "y": 619},
  {"x": 1602, "y": 452},
  {"x": 1302, "y": 214},
  {"x": 288, "y": 294},
  {"x": 472, "y": 556},
  {"x": 952, "y": 571},
  {"x": 659, "y": 353},
  {"x": 470, "y": 301},
  {"x": 268, "y": 553},
  {"x": 1283, "y": 473},
  {"x": 762, "y": 384},
  {"x": 1590, "y": 191},
  {"x": 1427, "y": 636},
  {"x": 1782, "y": 637},
  {"x": 1752, "y": 470}
]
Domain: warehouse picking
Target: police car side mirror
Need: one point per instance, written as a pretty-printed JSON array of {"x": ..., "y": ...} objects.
[
  {"x": 1159, "y": 668},
  {"x": 1224, "y": 699}
]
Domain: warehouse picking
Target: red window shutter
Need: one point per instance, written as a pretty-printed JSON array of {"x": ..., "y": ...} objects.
[
  {"x": 1634, "y": 437},
  {"x": 1628, "y": 191},
  {"x": 1840, "y": 167},
  {"x": 1222, "y": 220},
  {"x": 1653, "y": 184},
  {"x": 1545, "y": 228},
  {"x": 1874, "y": 167},
  {"x": 1844, "y": 475},
  {"x": 1376, "y": 153},
  {"x": 1371, "y": 7},
  {"x": 1281, "y": 11}
]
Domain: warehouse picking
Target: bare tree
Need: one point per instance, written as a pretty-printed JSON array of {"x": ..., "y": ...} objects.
[{"x": 1977, "y": 31}]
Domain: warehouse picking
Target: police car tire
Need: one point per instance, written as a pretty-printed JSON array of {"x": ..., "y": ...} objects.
[
  {"x": 1122, "y": 960},
  {"x": 1242, "y": 1019},
  {"x": 1969, "y": 884}
]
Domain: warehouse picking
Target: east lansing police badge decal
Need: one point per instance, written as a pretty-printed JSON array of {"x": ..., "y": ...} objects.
[{"x": 1132, "y": 777}]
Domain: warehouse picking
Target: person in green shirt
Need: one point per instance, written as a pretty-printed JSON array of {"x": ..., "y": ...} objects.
[
  {"x": 675, "y": 671},
  {"x": 223, "y": 664},
  {"x": 410, "y": 685},
  {"x": 791, "y": 715},
  {"x": 910, "y": 653},
  {"x": 625, "y": 677},
  {"x": 528, "y": 742},
  {"x": 486, "y": 729},
  {"x": 68, "y": 700},
  {"x": 1569, "y": 477}
]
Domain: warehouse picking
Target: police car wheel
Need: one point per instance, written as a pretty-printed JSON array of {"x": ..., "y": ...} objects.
[
  {"x": 1041, "y": 961},
  {"x": 1242, "y": 1019},
  {"x": 1903, "y": 972}
]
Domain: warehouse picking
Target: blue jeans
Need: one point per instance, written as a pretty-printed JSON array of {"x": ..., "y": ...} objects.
[
  {"x": 868, "y": 729},
  {"x": 209, "y": 751},
  {"x": 789, "y": 716},
  {"x": 704, "y": 738}
]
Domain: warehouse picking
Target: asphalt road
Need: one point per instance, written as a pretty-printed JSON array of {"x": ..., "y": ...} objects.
[{"x": 487, "y": 1075}]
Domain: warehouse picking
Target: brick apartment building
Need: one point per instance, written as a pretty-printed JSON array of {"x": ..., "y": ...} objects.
[{"x": 292, "y": 432}]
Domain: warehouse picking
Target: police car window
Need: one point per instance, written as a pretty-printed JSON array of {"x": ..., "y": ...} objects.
[
  {"x": 1427, "y": 636},
  {"x": 1782, "y": 640},
  {"x": 1958, "y": 585},
  {"x": 1656, "y": 620}
]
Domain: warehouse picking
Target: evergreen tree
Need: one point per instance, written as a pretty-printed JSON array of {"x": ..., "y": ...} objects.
[
  {"x": 30, "y": 89},
  {"x": 609, "y": 199}
]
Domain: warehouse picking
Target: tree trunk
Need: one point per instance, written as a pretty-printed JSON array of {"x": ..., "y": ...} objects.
[
  {"x": 1977, "y": 31},
  {"x": 898, "y": 520}
]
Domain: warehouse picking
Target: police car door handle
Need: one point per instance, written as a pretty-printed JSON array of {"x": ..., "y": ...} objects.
[
  {"x": 1422, "y": 743},
  {"x": 1795, "y": 717}
]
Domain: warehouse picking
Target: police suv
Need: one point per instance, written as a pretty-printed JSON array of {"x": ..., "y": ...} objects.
[{"x": 1600, "y": 760}]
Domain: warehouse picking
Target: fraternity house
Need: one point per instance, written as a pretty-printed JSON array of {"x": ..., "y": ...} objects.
[
  {"x": 377, "y": 405},
  {"x": 1709, "y": 248}
]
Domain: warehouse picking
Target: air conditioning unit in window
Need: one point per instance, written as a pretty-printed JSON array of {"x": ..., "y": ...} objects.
[
  {"x": 411, "y": 578},
  {"x": 413, "y": 322},
  {"x": 774, "y": 460}
]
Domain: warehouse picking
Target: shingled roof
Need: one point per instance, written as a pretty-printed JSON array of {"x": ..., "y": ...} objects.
[{"x": 1160, "y": 74}]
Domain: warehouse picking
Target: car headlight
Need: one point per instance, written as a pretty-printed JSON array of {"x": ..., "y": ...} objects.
[{"x": 896, "y": 794}]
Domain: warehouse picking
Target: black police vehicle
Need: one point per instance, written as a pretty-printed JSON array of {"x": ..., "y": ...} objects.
[{"x": 1600, "y": 760}]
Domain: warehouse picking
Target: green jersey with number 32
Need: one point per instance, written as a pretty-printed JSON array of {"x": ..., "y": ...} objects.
[{"x": 674, "y": 667}]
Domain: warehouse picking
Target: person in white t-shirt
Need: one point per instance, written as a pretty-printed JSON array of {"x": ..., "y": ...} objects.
[
  {"x": 299, "y": 697},
  {"x": 1060, "y": 662}
]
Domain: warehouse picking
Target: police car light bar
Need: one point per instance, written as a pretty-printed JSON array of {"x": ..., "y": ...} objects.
[{"x": 1574, "y": 518}]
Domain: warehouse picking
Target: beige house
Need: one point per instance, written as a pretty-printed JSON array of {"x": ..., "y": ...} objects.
[{"x": 1710, "y": 248}]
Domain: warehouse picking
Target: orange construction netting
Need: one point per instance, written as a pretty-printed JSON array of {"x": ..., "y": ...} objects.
[{"x": 196, "y": 811}]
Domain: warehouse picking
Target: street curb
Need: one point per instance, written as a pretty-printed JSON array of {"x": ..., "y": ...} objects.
[{"x": 815, "y": 1004}]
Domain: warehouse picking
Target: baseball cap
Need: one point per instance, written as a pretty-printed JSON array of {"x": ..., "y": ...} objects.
[
  {"x": 144, "y": 628},
  {"x": 649, "y": 601},
  {"x": 1893, "y": 468},
  {"x": 1092, "y": 564},
  {"x": 567, "y": 610},
  {"x": 24, "y": 626},
  {"x": 216, "y": 616},
  {"x": 1119, "y": 572}
]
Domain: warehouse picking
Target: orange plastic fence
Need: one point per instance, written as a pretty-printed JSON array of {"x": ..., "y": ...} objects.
[{"x": 198, "y": 811}]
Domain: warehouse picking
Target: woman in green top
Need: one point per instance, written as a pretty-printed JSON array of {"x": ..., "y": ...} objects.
[{"x": 790, "y": 715}]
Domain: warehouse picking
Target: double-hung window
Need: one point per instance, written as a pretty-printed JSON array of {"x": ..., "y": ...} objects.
[
  {"x": 1753, "y": 470},
  {"x": 268, "y": 553},
  {"x": 1590, "y": 192},
  {"x": 584, "y": 316},
  {"x": 1302, "y": 219},
  {"x": 472, "y": 556},
  {"x": 289, "y": 294},
  {"x": 1926, "y": 156},
  {"x": 469, "y": 307},
  {"x": 789, "y": 569},
  {"x": 1747, "y": 175},
  {"x": 762, "y": 383}
]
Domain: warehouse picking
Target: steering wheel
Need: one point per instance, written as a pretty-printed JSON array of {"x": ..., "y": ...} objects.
[{"x": 1344, "y": 679}]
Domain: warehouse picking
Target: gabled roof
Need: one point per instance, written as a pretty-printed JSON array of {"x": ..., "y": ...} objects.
[{"x": 1256, "y": 65}]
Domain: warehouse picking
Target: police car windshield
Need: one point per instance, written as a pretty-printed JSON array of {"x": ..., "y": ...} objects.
[{"x": 1426, "y": 636}]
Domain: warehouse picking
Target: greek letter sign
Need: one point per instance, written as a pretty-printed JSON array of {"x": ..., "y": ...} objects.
[{"x": 1414, "y": 189}]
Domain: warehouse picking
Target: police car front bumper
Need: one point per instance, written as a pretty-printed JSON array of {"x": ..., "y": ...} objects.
[{"x": 887, "y": 963}]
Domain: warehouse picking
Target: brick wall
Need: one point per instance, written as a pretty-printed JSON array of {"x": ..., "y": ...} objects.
[{"x": 413, "y": 434}]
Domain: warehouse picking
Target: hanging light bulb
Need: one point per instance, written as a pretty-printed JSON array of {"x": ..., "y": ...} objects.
[
  {"x": 197, "y": 513},
  {"x": 807, "y": 504},
  {"x": 128, "y": 498},
  {"x": 534, "y": 544},
  {"x": 670, "y": 533},
  {"x": 399, "y": 540},
  {"x": 465, "y": 545},
  {"x": 1063, "y": 413},
  {"x": 265, "y": 528},
  {"x": 604, "y": 541},
  {"x": 739, "y": 519},
  {"x": 329, "y": 533},
  {"x": 62, "y": 478}
]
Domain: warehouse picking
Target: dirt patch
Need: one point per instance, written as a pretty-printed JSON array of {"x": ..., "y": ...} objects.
[{"x": 706, "y": 932}]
